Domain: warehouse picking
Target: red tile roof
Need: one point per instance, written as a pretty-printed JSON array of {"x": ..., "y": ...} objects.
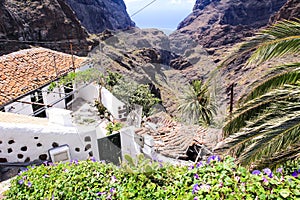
[{"x": 27, "y": 70}]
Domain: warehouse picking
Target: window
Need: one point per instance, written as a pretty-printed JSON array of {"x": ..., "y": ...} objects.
[
  {"x": 38, "y": 108},
  {"x": 68, "y": 88}
]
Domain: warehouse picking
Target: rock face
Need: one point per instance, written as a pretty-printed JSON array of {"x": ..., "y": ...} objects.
[
  {"x": 98, "y": 15},
  {"x": 289, "y": 11},
  {"x": 216, "y": 23},
  {"x": 53, "y": 24},
  {"x": 47, "y": 23}
]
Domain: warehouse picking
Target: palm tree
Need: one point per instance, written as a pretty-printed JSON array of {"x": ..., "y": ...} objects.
[
  {"x": 265, "y": 130},
  {"x": 196, "y": 105}
]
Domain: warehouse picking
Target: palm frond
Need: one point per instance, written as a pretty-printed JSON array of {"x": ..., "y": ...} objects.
[
  {"x": 270, "y": 133},
  {"x": 254, "y": 108},
  {"x": 287, "y": 77},
  {"x": 266, "y": 127},
  {"x": 275, "y": 48},
  {"x": 292, "y": 153},
  {"x": 245, "y": 49},
  {"x": 280, "y": 39},
  {"x": 276, "y": 138},
  {"x": 284, "y": 28},
  {"x": 196, "y": 104},
  {"x": 253, "y": 129}
]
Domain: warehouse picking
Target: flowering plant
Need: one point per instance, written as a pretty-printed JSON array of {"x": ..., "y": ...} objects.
[{"x": 213, "y": 179}]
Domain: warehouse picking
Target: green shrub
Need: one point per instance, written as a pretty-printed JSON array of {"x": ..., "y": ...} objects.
[
  {"x": 213, "y": 179},
  {"x": 111, "y": 127}
]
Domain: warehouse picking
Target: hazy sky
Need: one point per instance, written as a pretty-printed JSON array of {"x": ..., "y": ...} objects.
[{"x": 161, "y": 14}]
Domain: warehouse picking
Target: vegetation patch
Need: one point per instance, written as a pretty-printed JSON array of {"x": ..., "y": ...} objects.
[{"x": 144, "y": 179}]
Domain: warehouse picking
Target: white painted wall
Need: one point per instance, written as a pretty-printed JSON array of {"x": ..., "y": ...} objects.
[
  {"x": 112, "y": 104},
  {"x": 128, "y": 144},
  {"x": 89, "y": 93},
  {"x": 38, "y": 139},
  {"x": 20, "y": 108},
  {"x": 50, "y": 97}
]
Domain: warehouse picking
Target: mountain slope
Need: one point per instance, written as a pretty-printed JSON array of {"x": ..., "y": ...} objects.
[
  {"x": 53, "y": 24},
  {"x": 48, "y": 23},
  {"x": 98, "y": 15},
  {"x": 216, "y": 23}
]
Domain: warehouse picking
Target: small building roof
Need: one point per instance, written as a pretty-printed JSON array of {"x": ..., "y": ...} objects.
[
  {"x": 26, "y": 70},
  {"x": 172, "y": 139},
  {"x": 13, "y": 118}
]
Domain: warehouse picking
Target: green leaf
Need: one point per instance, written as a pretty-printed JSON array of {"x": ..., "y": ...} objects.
[{"x": 284, "y": 193}]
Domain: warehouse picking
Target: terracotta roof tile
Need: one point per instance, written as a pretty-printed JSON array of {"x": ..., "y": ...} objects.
[{"x": 26, "y": 70}]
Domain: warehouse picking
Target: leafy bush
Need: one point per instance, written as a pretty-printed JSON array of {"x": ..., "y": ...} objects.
[
  {"x": 133, "y": 93},
  {"x": 111, "y": 127},
  {"x": 213, "y": 179}
]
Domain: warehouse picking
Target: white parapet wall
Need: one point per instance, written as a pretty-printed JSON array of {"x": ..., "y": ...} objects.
[
  {"x": 116, "y": 107},
  {"x": 24, "y": 139},
  {"x": 20, "y": 108}
]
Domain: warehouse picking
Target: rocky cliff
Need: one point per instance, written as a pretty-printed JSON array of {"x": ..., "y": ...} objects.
[
  {"x": 47, "y": 23},
  {"x": 53, "y": 24},
  {"x": 216, "y": 23},
  {"x": 289, "y": 11},
  {"x": 98, "y": 15}
]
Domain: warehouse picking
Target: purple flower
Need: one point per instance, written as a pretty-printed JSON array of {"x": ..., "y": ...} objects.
[
  {"x": 29, "y": 184},
  {"x": 213, "y": 158},
  {"x": 196, "y": 176},
  {"x": 196, "y": 198},
  {"x": 101, "y": 193},
  {"x": 256, "y": 172},
  {"x": 279, "y": 170},
  {"x": 196, "y": 188},
  {"x": 109, "y": 196},
  {"x": 191, "y": 167},
  {"x": 264, "y": 179},
  {"x": 93, "y": 159},
  {"x": 113, "y": 179},
  {"x": 112, "y": 190},
  {"x": 45, "y": 163},
  {"x": 237, "y": 178},
  {"x": 75, "y": 162},
  {"x": 268, "y": 172},
  {"x": 295, "y": 174},
  {"x": 221, "y": 184},
  {"x": 199, "y": 164},
  {"x": 21, "y": 181}
]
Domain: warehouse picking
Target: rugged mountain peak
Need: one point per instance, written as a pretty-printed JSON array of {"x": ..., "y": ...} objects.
[
  {"x": 216, "y": 23},
  {"x": 98, "y": 15},
  {"x": 201, "y": 4},
  {"x": 289, "y": 11}
]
